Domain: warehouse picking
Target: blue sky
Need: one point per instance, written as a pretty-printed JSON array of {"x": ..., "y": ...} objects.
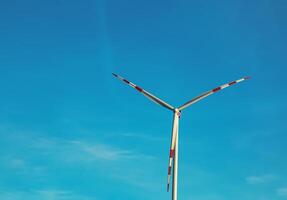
[{"x": 69, "y": 130}]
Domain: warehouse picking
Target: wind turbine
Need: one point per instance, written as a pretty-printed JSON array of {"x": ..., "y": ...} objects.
[{"x": 173, "y": 153}]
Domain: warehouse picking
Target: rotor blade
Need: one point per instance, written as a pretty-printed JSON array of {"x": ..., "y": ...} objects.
[
  {"x": 172, "y": 145},
  {"x": 202, "y": 96},
  {"x": 145, "y": 93}
]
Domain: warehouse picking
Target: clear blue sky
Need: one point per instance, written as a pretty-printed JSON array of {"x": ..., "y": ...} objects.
[{"x": 69, "y": 130}]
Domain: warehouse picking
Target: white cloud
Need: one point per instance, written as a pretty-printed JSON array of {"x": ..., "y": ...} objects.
[
  {"x": 102, "y": 151},
  {"x": 17, "y": 163},
  {"x": 139, "y": 136},
  {"x": 267, "y": 178},
  {"x": 79, "y": 151},
  {"x": 38, "y": 155},
  {"x": 46, "y": 194},
  {"x": 282, "y": 192}
]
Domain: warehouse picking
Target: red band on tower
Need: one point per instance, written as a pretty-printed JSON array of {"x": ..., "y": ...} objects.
[
  {"x": 169, "y": 170},
  {"x": 171, "y": 153}
]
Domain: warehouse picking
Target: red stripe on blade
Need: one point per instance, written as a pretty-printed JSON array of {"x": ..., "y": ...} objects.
[
  {"x": 231, "y": 83},
  {"x": 138, "y": 89},
  {"x": 216, "y": 89},
  {"x": 126, "y": 81}
]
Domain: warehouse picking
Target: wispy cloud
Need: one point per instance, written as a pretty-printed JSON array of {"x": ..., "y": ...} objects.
[
  {"x": 73, "y": 150},
  {"x": 16, "y": 163},
  {"x": 45, "y": 194},
  {"x": 117, "y": 160},
  {"x": 141, "y": 136},
  {"x": 37, "y": 156},
  {"x": 107, "y": 152},
  {"x": 267, "y": 178},
  {"x": 282, "y": 192}
]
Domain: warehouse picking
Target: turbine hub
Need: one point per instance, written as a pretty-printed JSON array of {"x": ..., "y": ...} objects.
[{"x": 178, "y": 112}]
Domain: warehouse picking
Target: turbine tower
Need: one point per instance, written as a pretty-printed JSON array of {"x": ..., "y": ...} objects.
[{"x": 173, "y": 153}]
